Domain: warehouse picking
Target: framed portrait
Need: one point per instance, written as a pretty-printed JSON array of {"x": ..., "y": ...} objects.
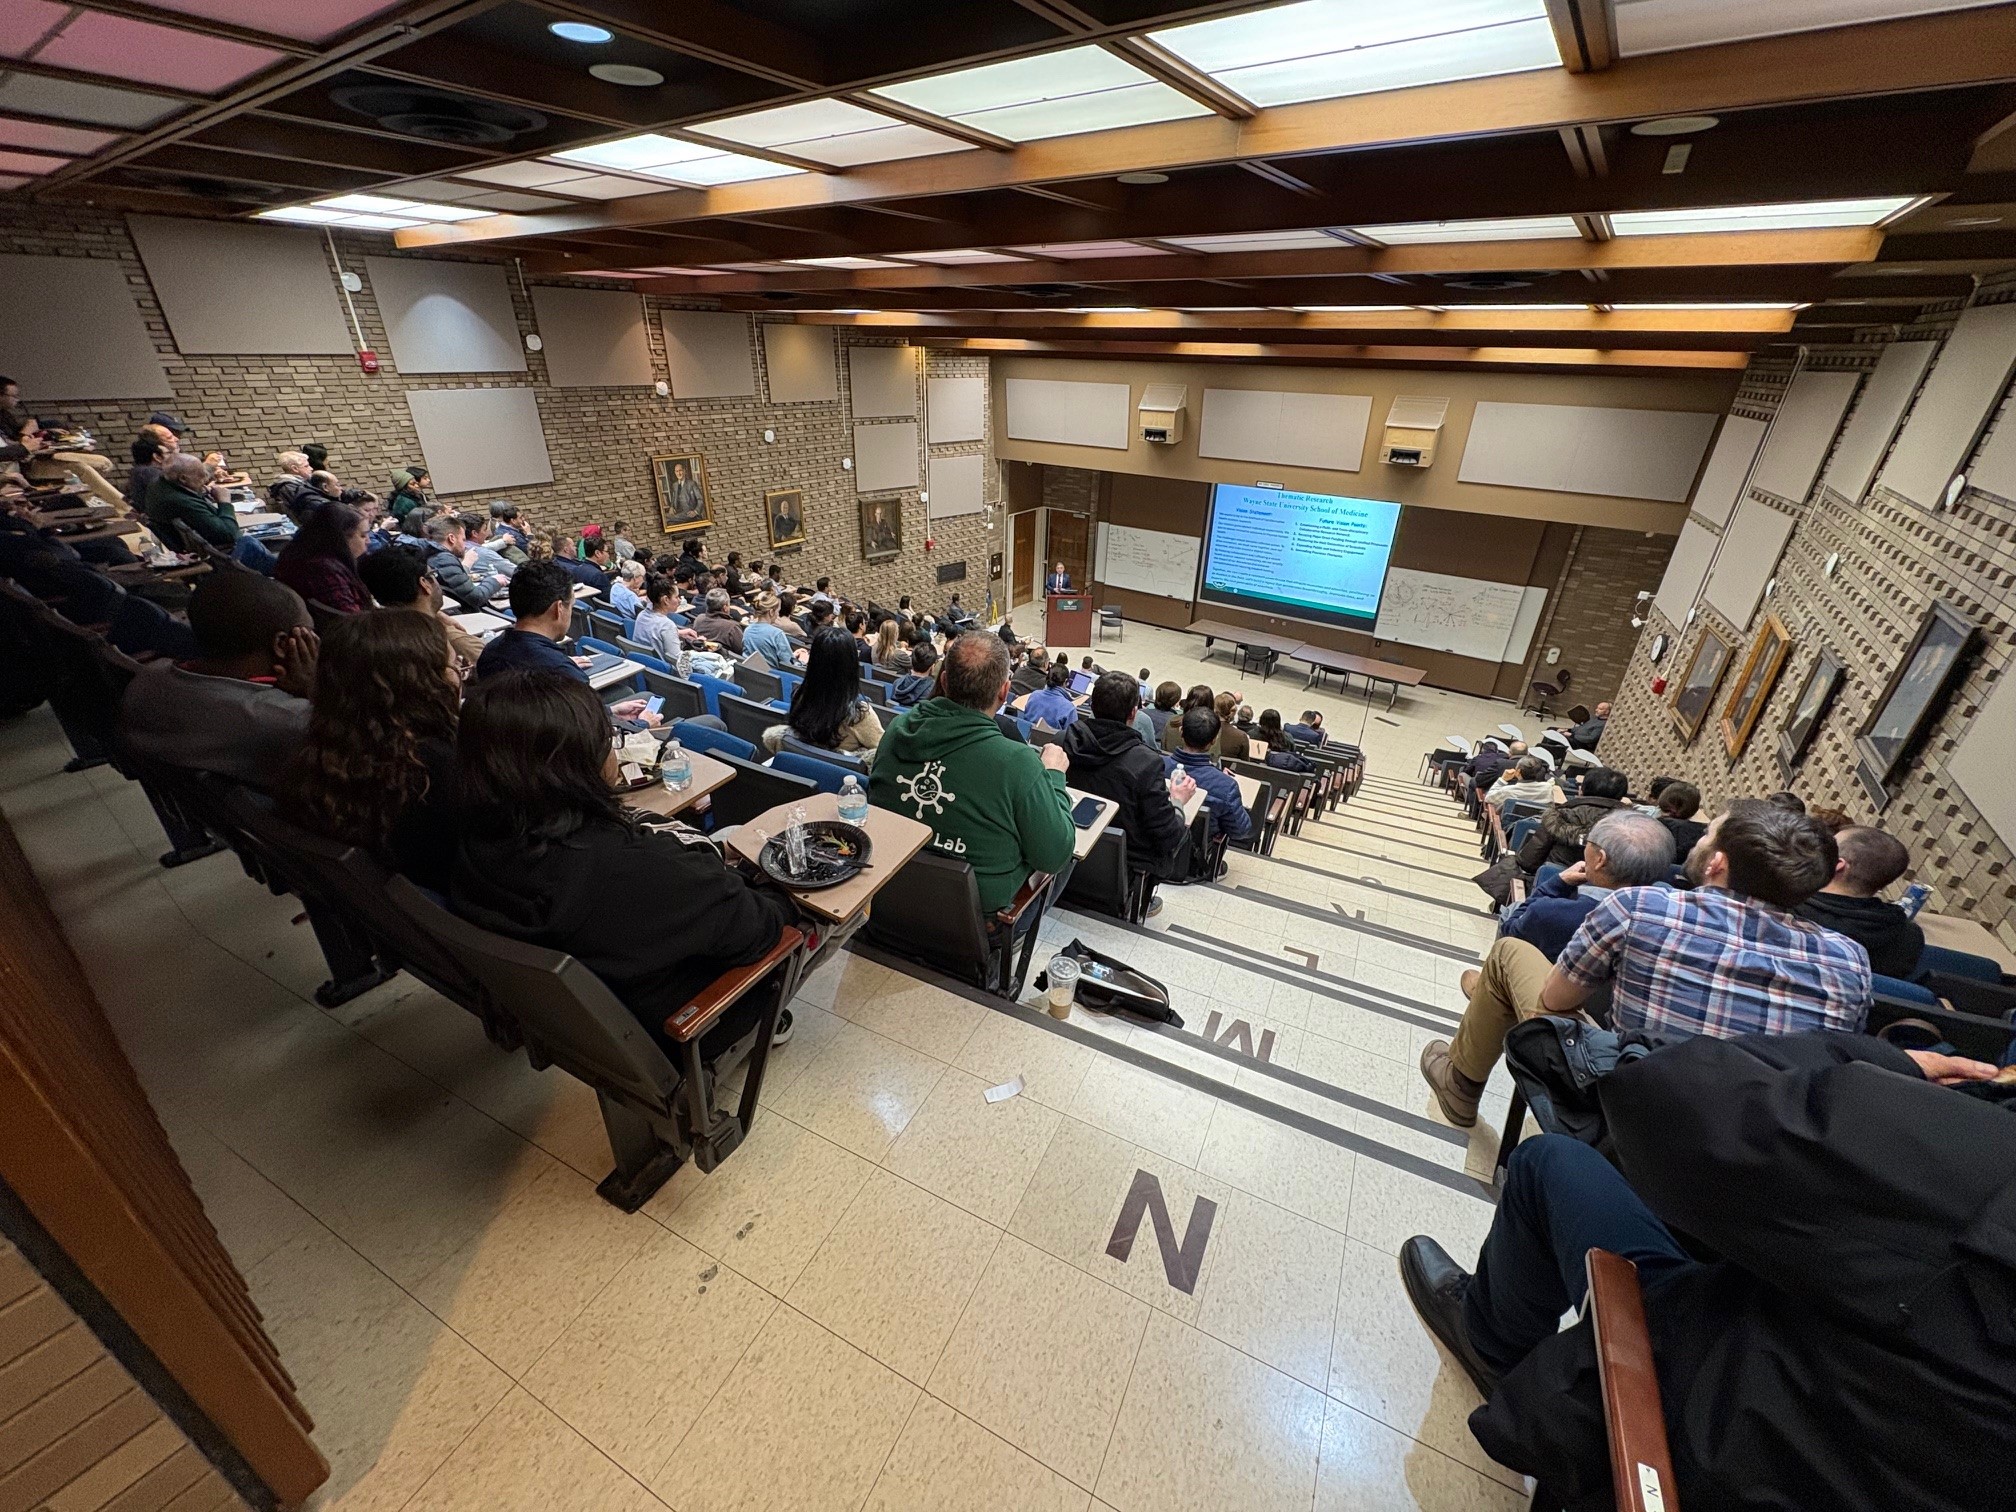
[
  {"x": 881, "y": 528},
  {"x": 1754, "y": 683},
  {"x": 1695, "y": 693},
  {"x": 1911, "y": 701},
  {"x": 784, "y": 517},
  {"x": 683, "y": 502},
  {"x": 1815, "y": 694}
]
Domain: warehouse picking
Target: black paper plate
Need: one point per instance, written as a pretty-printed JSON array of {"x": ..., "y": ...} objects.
[{"x": 834, "y": 853}]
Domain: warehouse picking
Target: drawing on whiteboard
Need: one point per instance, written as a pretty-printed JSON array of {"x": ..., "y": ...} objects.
[
  {"x": 1463, "y": 616},
  {"x": 1147, "y": 561}
]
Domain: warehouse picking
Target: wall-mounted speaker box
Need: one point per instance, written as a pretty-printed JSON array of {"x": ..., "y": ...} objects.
[
  {"x": 1161, "y": 412},
  {"x": 1413, "y": 426}
]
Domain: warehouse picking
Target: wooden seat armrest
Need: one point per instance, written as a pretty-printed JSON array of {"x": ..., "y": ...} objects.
[
  {"x": 1641, "y": 1466},
  {"x": 1279, "y": 806},
  {"x": 1037, "y": 885},
  {"x": 721, "y": 994}
]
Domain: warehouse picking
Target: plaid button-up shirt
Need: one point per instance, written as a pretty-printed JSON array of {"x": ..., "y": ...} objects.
[{"x": 1717, "y": 963}]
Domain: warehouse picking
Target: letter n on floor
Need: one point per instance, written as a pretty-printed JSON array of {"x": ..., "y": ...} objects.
[{"x": 1181, "y": 1263}]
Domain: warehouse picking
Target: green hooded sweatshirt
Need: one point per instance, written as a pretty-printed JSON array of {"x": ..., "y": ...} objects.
[{"x": 989, "y": 800}]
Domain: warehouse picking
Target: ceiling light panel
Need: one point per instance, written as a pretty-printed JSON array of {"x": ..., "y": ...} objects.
[
  {"x": 1809, "y": 215},
  {"x": 1323, "y": 49},
  {"x": 834, "y": 132},
  {"x": 1526, "y": 228},
  {"x": 675, "y": 161},
  {"x": 1259, "y": 241},
  {"x": 525, "y": 175},
  {"x": 410, "y": 210},
  {"x": 1071, "y": 250},
  {"x": 1051, "y": 95},
  {"x": 608, "y": 186},
  {"x": 959, "y": 258},
  {"x": 1651, "y": 26},
  {"x": 842, "y": 262},
  {"x": 1712, "y": 305},
  {"x": 1347, "y": 309},
  {"x": 302, "y": 215}
]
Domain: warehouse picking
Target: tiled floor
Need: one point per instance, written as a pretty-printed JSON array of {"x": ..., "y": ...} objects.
[{"x": 896, "y": 1295}]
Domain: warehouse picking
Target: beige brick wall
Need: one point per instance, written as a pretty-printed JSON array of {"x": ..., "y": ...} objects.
[
  {"x": 1589, "y": 611},
  {"x": 600, "y": 439},
  {"x": 1896, "y": 559}
]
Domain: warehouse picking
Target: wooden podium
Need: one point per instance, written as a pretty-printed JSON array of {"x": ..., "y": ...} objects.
[{"x": 1067, "y": 619}]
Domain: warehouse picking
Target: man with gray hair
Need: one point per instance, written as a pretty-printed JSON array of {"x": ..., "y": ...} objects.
[
  {"x": 717, "y": 624},
  {"x": 1625, "y": 848},
  {"x": 291, "y": 492},
  {"x": 181, "y": 496}
]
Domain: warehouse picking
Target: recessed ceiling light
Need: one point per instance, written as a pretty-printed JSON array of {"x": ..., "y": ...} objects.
[
  {"x": 627, "y": 73},
  {"x": 580, "y": 31},
  {"x": 1144, "y": 178},
  {"x": 1680, "y": 125}
]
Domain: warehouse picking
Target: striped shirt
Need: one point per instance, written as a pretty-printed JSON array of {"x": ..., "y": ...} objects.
[{"x": 1717, "y": 963}]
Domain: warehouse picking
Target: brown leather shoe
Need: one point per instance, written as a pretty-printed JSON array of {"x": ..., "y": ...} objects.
[
  {"x": 1458, "y": 1095},
  {"x": 1468, "y": 983}
]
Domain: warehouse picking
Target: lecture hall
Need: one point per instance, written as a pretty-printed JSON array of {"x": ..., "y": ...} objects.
[{"x": 651, "y": 859}]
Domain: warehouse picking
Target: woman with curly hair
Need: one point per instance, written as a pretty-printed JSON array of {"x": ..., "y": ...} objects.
[{"x": 377, "y": 768}]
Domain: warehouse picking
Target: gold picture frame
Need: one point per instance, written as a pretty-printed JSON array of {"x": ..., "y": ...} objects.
[
  {"x": 881, "y": 528},
  {"x": 1754, "y": 684},
  {"x": 684, "y": 503},
  {"x": 784, "y": 517},
  {"x": 1694, "y": 694}
]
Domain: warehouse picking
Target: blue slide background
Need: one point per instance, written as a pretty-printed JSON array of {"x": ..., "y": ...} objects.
[{"x": 1315, "y": 556}]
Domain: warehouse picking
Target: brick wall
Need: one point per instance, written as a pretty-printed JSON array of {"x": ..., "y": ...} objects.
[
  {"x": 1072, "y": 488},
  {"x": 1895, "y": 560},
  {"x": 600, "y": 439},
  {"x": 1589, "y": 610}
]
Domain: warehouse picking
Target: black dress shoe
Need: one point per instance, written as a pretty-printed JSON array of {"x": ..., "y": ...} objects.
[{"x": 1436, "y": 1285}]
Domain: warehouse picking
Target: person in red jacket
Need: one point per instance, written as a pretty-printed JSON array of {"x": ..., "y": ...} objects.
[{"x": 320, "y": 563}]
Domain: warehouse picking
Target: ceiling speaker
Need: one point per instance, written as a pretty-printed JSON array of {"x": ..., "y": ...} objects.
[{"x": 437, "y": 116}]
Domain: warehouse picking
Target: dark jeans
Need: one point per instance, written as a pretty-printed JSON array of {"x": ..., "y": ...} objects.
[
  {"x": 1561, "y": 1200},
  {"x": 251, "y": 552}
]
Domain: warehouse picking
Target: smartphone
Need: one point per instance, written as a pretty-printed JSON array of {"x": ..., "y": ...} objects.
[
  {"x": 655, "y": 704},
  {"x": 1086, "y": 811}
]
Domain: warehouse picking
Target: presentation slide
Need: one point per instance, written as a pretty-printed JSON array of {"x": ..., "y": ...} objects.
[{"x": 1314, "y": 556}]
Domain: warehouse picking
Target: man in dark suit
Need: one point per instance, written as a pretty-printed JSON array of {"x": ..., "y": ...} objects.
[
  {"x": 1058, "y": 581},
  {"x": 683, "y": 501}
]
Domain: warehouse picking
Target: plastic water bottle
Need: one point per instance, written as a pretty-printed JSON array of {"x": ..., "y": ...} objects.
[
  {"x": 675, "y": 768},
  {"x": 853, "y": 801}
]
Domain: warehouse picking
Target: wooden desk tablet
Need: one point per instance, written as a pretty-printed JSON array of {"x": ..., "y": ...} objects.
[
  {"x": 1190, "y": 810},
  {"x": 478, "y": 623},
  {"x": 708, "y": 774},
  {"x": 1966, "y": 935},
  {"x": 1249, "y": 788},
  {"x": 1089, "y": 836},
  {"x": 608, "y": 677},
  {"x": 895, "y": 839}
]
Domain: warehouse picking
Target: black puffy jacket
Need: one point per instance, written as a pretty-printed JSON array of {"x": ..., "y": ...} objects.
[{"x": 1110, "y": 760}]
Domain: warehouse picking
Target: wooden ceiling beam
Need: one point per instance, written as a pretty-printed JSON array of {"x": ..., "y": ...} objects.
[
  {"x": 1918, "y": 53},
  {"x": 1165, "y": 67},
  {"x": 1202, "y": 325},
  {"x": 1528, "y": 358}
]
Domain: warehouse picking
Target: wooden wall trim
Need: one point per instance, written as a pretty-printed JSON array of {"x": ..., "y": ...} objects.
[{"x": 82, "y": 1149}]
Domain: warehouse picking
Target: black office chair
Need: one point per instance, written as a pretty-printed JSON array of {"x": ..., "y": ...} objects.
[
  {"x": 1104, "y": 883},
  {"x": 759, "y": 682},
  {"x": 1110, "y": 618},
  {"x": 748, "y": 719},
  {"x": 657, "y": 1115},
  {"x": 930, "y": 912},
  {"x": 754, "y": 790}
]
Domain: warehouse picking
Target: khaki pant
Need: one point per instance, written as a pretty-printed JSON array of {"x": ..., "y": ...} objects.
[{"x": 1508, "y": 993}]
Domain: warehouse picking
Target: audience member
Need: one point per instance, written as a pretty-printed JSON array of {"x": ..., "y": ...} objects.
[
  {"x": 1034, "y": 673},
  {"x": 1052, "y": 704},
  {"x": 447, "y": 544},
  {"x": 377, "y": 766},
  {"x": 1531, "y": 780},
  {"x": 542, "y": 605},
  {"x": 330, "y": 486},
  {"x": 1280, "y": 750},
  {"x": 151, "y": 447},
  {"x": 549, "y": 855},
  {"x": 1869, "y": 860},
  {"x": 320, "y": 563},
  {"x": 1792, "y": 803},
  {"x": 1678, "y": 802},
  {"x": 479, "y": 553},
  {"x": 1109, "y": 759},
  {"x": 508, "y": 536},
  {"x": 591, "y": 567},
  {"x": 1167, "y": 696},
  {"x": 1309, "y": 731},
  {"x": 1564, "y": 828},
  {"x": 181, "y": 496},
  {"x": 625, "y": 549},
  {"x": 714, "y": 623},
  {"x": 1845, "y": 1340},
  {"x": 766, "y": 637},
  {"x": 995, "y": 804},
  {"x": 1726, "y": 957},
  {"x": 891, "y": 655},
  {"x": 1584, "y": 736},
  {"x": 1199, "y": 697},
  {"x": 827, "y": 709},
  {"x": 1233, "y": 744},
  {"x": 1490, "y": 762},
  {"x": 409, "y": 490},
  {"x": 623, "y": 593},
  {"x": 1222, "y": 800},
  {"x": 692, "y": 560},
  {"x": 240, "y": 708},
  {"x": 398, "y": 577},
  {"x": 917, "y": 684},
  {"x": 1624, "y": 849},
  {"x": 291, "y": 491},
  {"x": 655, "y": 627}
]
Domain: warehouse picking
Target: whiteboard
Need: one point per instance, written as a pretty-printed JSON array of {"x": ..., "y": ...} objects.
[
  {"x": 1685, "y": 571},
  {"x": 1874, "y": 424},
  {"x": 1463, "y": 616},
  {"x": 1751, "y": 547},
  {"x": 1296, "y": 430},
  {"x": 1728, "y": 466},
  {"x": 1965, "y": 384},
  {"x": 1072, "y": 414},
  {"x": 1575, "y": 448},
  {"x": 1147, "y": 561},
  {"x": 1808, "y": 417},
  {"x": 1531, "y": 601},
  {"x": 1981, "y": 763}
]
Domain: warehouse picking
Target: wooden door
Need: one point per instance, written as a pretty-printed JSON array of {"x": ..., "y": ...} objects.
[
  {"x": 1071, "y": 543},
  {"x": 1022, "y": 567}
]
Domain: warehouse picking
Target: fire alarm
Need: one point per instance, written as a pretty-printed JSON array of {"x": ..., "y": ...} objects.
[
  {"x": 368, "y": 360},
  {"x": 929, "y": 542},
  {"x": 1658, "y": 686}
]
